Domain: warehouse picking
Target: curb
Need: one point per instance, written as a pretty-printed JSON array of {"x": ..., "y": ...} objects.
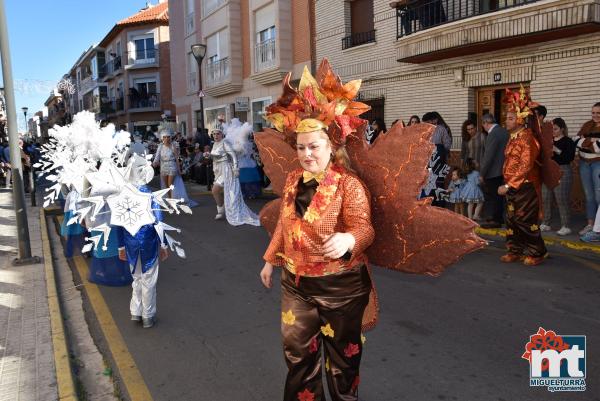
[
  {"x": 549, "y": 240},
  {"x": 131, "y": 378},
  {"x": 64, "y": 374}
]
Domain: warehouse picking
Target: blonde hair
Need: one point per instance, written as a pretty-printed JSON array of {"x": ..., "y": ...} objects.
[{"x": 339, "y": 156}]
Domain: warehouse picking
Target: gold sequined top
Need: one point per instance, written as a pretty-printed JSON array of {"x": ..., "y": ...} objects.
[
  {"x": 521, "y": 162},
  {"x": 341, "y": 204}
]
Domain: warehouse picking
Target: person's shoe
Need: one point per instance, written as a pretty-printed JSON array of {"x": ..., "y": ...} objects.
[
  {"x": 136, "y": 318},
  {"x": 591, "y": 236},
  {"x": 147, "y": 322},
  {"x": 491, "y": 224},
  {"x": 220, "y": 213},
  {"x": 564, "y": 231},
  {"x": 586, "y": 229},
  {"x": 533, "y": 260},
  {"x": 511, "y": 258},
  {"x": 545, "y": 228}
]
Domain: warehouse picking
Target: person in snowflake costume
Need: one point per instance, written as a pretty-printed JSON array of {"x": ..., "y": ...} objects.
[
  {"x": 144, "y": 251},
  {"x": 115, "y": 199},
  {"x": 339, "y": 210}
]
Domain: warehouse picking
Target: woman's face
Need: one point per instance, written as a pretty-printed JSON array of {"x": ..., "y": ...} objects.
[
  {"x": 596, "y": 114},
  {"x": 454, "y": 175},
  {"x": 471, "y": 130},
  {"x": 413, "y": 121},
  {"x": 557, "y": 131},
  {"x": 218, "y": 136},
  {"x": 166, "y": 139},
  {"x": 314, "y": 151}
]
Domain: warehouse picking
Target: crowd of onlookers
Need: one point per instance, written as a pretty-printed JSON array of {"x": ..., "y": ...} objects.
[
  {"x": 30, "y": 154},
  {"x": 471, "y": 185}
]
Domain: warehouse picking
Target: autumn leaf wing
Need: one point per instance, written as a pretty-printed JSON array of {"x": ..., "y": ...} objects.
[
  {"x": 279, "y": 159},
  {"x": 410, "y": 235}
]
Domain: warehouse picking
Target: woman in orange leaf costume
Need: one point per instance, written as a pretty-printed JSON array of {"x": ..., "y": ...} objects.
[{"x": 338, "y": 196}]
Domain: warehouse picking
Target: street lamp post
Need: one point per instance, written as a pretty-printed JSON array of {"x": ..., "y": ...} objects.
[
  {"x": 31, "y": 173},
  {"x": 199, "y": 51},
  {"x": 24, "y": 244},
  {"x": 25, "y": 114}
]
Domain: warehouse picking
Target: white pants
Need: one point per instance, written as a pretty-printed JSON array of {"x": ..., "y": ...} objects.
[{"x": 143, "y": 296}]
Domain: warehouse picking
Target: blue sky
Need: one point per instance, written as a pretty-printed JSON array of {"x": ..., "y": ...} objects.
[{"x": 48, "y": 36}]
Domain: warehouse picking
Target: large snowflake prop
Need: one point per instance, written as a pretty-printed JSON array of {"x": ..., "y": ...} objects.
[
  {"x": 95, "y": 162},
  {"x": 131, "y": 209}
]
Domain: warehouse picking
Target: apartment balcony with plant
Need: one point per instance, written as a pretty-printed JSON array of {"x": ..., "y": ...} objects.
[{"x": 438, "y": 29}]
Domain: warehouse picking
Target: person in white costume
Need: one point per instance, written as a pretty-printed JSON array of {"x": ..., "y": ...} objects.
[
  {"x": 143, "y": 251},
  {"x": 226, "y": 187}
]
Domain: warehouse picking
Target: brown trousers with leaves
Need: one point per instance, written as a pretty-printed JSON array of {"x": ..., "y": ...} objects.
[
  {"x": 321, "y": 319},
  {"x": 523, "y": 236}
]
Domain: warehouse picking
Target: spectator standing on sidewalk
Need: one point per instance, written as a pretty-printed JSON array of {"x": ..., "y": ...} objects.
[
  {"x": 7, "y": 166},
  {"x": 414, "y": 120},
  {"x": 378, "y": 126},
  {"x": 594, "y": 234},
  {"x": 588, "y": 147},
  {"x": 491, "y": 169},
  {"x": 471, "y": 193},
  {"x": 472, "y": 143},
  {"x": 564, "y": 153}
]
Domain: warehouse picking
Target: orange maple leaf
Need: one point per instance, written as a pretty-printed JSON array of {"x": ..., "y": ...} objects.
[
  {"x": 351, "y": 350},
  {"x": 306, "y": 395}
]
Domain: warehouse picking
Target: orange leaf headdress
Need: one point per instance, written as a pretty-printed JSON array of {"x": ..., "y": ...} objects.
[
  {"x": 520, "y": 103},
  {"x": 318, "y": 103}
]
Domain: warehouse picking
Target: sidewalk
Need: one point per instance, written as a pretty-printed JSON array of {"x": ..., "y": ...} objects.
[
  {"x": 569, "y": 242},
  {"x": 27, "y": 365}
]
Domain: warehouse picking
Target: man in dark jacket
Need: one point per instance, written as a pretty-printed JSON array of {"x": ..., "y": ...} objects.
[{"x": 491, "y": 169}]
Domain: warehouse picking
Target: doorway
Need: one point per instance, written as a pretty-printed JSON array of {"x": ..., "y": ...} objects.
[{"x": 491, "y": 100}]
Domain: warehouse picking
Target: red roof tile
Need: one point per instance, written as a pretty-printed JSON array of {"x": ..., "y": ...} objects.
[{"x": 156, "y": 13}]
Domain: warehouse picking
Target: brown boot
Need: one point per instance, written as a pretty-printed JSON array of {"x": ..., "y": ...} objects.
[
  {"x": 533, "y": 260},
  {"x": 511, "y": 258}
]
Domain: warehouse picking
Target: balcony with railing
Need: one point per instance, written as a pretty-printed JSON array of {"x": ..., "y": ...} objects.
[
  {"x": 217, "y": 72},
  {"x": 112, "y": 67},
  {"x": 357, "y": 39},
  {"x": 437, "y": 29},
  {"x": 112, "y": 106},
  {"x": 139, "y": 102},
  {"x": 87, "y": 84},
  {"x": 265, "y": 55},
  {"x": 141, "y": 58},
  {"x": 106, "y": 107}
]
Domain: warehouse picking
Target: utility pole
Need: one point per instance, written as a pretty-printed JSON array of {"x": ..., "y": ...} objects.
[{"x": 24, "y": 244}]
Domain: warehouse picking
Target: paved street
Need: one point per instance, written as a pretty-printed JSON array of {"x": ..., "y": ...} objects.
[{"x": 456, "y": 337}]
